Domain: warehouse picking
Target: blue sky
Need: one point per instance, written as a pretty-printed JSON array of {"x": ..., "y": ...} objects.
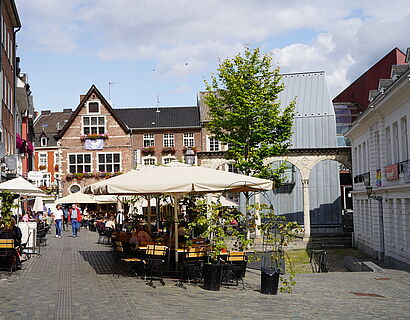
[{"x": 153, "y": 48}]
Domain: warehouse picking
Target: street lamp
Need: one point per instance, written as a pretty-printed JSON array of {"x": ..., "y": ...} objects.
[
  {"x": 369, "y": 191},
  {"x": 189, "y": 157}
]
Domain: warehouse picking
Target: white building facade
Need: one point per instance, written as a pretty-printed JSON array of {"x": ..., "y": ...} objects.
[{"x": 381, "y": 168}]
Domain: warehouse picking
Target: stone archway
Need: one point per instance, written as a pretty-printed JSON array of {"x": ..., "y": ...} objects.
[{"x": 304, "y": 159}]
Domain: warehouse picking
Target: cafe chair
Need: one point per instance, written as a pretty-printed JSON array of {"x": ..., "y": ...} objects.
[{"x": 154, "y": 263}]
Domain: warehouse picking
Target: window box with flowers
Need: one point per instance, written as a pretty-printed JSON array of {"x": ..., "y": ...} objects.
[
  {"x": 94, "y": 136},
  {"x": 42, "y": 167},
  {"x": 168, "y": 150},
  {"x": 100, "y": 175},
  {"x": 56, "y": 167},
  {"x": 148, "y": 150}
]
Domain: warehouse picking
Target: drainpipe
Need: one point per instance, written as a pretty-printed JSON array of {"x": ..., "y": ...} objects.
[{"x": 14, "y": 84}]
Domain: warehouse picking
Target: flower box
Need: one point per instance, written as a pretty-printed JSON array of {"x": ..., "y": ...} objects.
[
  {"x": 169, "y": 150},
  {"x": 148, "y": 150},
  {"x": 42, "y": 167},
  {"x": 94, "y": 136},
  {"x": 185, "y": 149}
]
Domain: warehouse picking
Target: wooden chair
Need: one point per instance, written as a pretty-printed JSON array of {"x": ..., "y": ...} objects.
[
  {"x": 125, "y": 260},
  {"x": 8, "y": 253},
  {"x": 154, "y": 263},
  {"x": 192, "y": 263},
  {"x": 235, "y": 267}
]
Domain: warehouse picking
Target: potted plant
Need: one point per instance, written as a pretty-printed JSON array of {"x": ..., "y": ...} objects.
[
  {"x": 216, "y": 225},
  {"x": 277, "y": 233},
  {"x": 148, "y": 150},
  {"x": 170, "y": 150},
  {"x": 42, "y": 167}
]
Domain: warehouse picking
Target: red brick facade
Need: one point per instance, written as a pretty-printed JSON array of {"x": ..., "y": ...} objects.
[{"x": 119, "y": 141}]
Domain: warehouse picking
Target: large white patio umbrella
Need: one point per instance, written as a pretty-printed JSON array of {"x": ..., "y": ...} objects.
[
  {"x": 77, "y": 197},
  {"x": 38, "y": 205},
  {"x": 21, "y": 186},
  {"x": 177, "y": 181}
]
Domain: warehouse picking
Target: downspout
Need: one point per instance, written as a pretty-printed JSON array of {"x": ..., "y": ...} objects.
[{"x": 1, "y": 74}]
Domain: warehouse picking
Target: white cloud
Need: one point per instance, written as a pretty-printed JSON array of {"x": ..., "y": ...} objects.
[{"x": 185, "y": 37}]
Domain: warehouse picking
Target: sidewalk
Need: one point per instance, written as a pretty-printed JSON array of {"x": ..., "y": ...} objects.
[{"x": 73, "y": 280}]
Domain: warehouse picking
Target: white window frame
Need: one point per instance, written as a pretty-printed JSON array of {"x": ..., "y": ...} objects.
[
  {"x": 168, "y": 159},
  {"x": 388, "y": 146},
  {"x": 74, "y": 184},
  {"x": 208, "y": 144},
  {"x": 149, "y": 158},
  {"x": 83, "y": 164},
  {"x": 56, "y": 158},
  {"x": 45, "y": 180},
  {"x": 105, "y": 163},
  {"x": 404, "y": 139},
  {"x": 91, "y": 126},
  {"x": 189, "y": 139},
  {"x": 43, "y": 141},
  {"x": 168, "y": 140},
  {"x": 88, "y": 107},
  {"x": 148, "y": 140},
  {"x": 41, "y": 157}
]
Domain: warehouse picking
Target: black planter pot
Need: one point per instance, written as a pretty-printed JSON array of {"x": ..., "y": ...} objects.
[
  {"x": 212, "y": 274},
  {"x": 269, "y": 280}
]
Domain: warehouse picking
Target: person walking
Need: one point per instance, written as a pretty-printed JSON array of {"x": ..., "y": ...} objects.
[
  {"x": 58, "y": 220},
  {"x": 74, "y": 215},
  {"x": 65, "y": 219}
]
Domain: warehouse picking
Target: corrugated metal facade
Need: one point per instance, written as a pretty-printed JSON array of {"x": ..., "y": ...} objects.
[{"x": 315, "y": 127}]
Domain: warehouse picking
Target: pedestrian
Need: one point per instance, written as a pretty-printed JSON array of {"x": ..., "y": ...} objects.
[
  {"x": 74, "y": 215},
  {"x": 58, "y": 217},
  {"x": 65, "y": 219}
]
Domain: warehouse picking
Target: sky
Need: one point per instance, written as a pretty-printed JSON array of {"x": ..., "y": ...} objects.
[{"x": 160, "y": 52}]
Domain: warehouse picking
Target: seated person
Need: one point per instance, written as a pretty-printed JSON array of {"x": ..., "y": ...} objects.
[
  {"x": 110, "y": 223},
  {"x": 99, "y": 223},
  {"x": 142, "y": 236},
  {"x": 134, "y": 240}
]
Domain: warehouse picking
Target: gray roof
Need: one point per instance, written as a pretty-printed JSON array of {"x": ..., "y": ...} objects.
[
  {"x": 49, "y": 125},
  {"x": 167, "y": 117},
  {"x": 315, "y": 122}
]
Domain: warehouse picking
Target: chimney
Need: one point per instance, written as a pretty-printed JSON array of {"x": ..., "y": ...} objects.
[
  {"x": 67, "y": 110},
  {"x": 82, "y": 97},
  {"x": 45, "y": 112}
]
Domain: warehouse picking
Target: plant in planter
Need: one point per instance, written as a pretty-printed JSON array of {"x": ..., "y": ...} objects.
[
  {"x": 193, "y": 148},
  {"x": 94, "y": 136},
  {"x": 42, "y": 167},
  {"x": 277, "y": 234},
  {"x": 7, "y": 204},
  {"x": 170, "y": 150},
  {"x": 148, "y": 150},
  {"x": 216, "y": 225},
  {"x": 56, "y": 167}
]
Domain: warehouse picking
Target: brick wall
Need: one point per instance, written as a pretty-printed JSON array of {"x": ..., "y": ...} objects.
[{"x": 118, "y": 141}]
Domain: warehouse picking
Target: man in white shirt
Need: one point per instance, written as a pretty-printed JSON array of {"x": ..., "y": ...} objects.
[{"x": 58, "y": 219}]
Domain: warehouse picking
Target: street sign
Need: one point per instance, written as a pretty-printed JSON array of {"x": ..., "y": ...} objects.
[{"x": 34, "y": 175}]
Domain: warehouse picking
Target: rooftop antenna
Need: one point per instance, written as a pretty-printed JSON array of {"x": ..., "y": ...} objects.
[
  {"x": 158, "y": 103},
  {"x": 110, "y": 84}
]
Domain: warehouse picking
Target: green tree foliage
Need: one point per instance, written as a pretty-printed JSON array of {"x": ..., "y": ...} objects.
[
  {"x": 7, "y": 204},
  {"x": 245, "y": 114}
]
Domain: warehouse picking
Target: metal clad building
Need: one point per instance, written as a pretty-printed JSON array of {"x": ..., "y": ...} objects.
[{"x": 315, "y": 127}]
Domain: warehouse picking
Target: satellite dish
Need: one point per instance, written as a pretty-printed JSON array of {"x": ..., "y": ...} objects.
[
  {"x": 2, "y": 150},
  {"x": 11, "y": 161}
]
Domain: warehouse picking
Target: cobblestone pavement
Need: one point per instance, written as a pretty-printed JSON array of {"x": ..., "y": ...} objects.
[{"x": 73, "y": 280}]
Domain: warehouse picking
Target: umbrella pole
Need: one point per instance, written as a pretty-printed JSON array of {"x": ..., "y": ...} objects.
[
  {"x": 149, "y": 213},
  {"x": 176, "y": 200}
]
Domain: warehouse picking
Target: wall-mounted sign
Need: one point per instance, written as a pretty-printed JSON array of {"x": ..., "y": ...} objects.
[
  {"x": 35, "y": 175},
  {"x": 392, "y": 172},
  {"x": 378, "y": 178}
]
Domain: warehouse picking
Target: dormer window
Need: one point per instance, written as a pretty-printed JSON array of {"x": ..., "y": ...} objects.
[
  {"x": 43, "y": 141},
  {"x": 93, "y": 107}
]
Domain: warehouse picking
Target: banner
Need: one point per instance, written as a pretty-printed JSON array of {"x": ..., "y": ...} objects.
[{"x": 94, "y": 144}]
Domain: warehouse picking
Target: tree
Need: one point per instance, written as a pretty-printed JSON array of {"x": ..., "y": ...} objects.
[{"x": 245, "y": 114}]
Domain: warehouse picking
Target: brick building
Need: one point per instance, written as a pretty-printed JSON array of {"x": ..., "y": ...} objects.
[
  {"x": 10, "y": 24},
  {"x": 46, "y": 156},
  {"x": 94, "y": 143}
]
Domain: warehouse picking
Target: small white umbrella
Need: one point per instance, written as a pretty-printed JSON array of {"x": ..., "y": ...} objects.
[
  {"x": 38, "y": 204},
  {"x": 21, "y": 186},
  {"x": 77, "y": 197}
]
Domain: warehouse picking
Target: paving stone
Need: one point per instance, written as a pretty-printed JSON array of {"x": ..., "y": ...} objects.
[{"x": 73, "y": 280}]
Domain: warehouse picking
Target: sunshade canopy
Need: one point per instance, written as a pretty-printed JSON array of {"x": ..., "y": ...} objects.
[
  {"x": 180, "y": 180},
  {"x": 77, "y": 197},
  {"x": 21, "y": 186}
]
